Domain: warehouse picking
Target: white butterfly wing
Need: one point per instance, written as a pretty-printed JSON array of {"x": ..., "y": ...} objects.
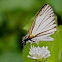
[
  {"x": 44, "y": 24},
  {"x": 47, "y": 38}
]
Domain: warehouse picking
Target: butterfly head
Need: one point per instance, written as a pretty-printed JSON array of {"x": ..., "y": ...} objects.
[{"x": 25, "y": 38}]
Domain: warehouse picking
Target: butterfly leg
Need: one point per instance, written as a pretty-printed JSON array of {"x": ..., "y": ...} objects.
[
  {"x": 37, "y": 43},
  {"x": 30, "y": 44}
]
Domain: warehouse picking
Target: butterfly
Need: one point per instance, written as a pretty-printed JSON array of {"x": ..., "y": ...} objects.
[{"x": 42, "y": 27}]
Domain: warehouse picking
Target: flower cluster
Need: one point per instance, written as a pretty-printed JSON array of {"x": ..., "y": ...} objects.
[{"x": 39, "y": 53}]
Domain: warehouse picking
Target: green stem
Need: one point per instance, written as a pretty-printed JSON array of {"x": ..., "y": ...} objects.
[{"x": 37, "y": 61}]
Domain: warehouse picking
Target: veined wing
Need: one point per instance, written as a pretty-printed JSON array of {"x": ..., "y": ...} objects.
[
  {"x": 44, "y": 23},
  {"x": 41, "y": 38}
]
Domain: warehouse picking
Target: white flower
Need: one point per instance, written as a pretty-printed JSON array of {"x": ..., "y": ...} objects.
[{"x": 39, "y": 53}]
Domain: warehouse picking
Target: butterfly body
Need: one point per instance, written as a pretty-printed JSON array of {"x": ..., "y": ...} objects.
[
  {"x": 43, "y": 26},
  {"x": 28, "y": 39}
]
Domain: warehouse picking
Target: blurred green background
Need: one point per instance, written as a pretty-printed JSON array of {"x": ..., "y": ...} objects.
[{"x": 16, "y": 17}]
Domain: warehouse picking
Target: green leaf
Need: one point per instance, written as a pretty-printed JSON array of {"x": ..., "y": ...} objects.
[{"x": 55, "y": 47}]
